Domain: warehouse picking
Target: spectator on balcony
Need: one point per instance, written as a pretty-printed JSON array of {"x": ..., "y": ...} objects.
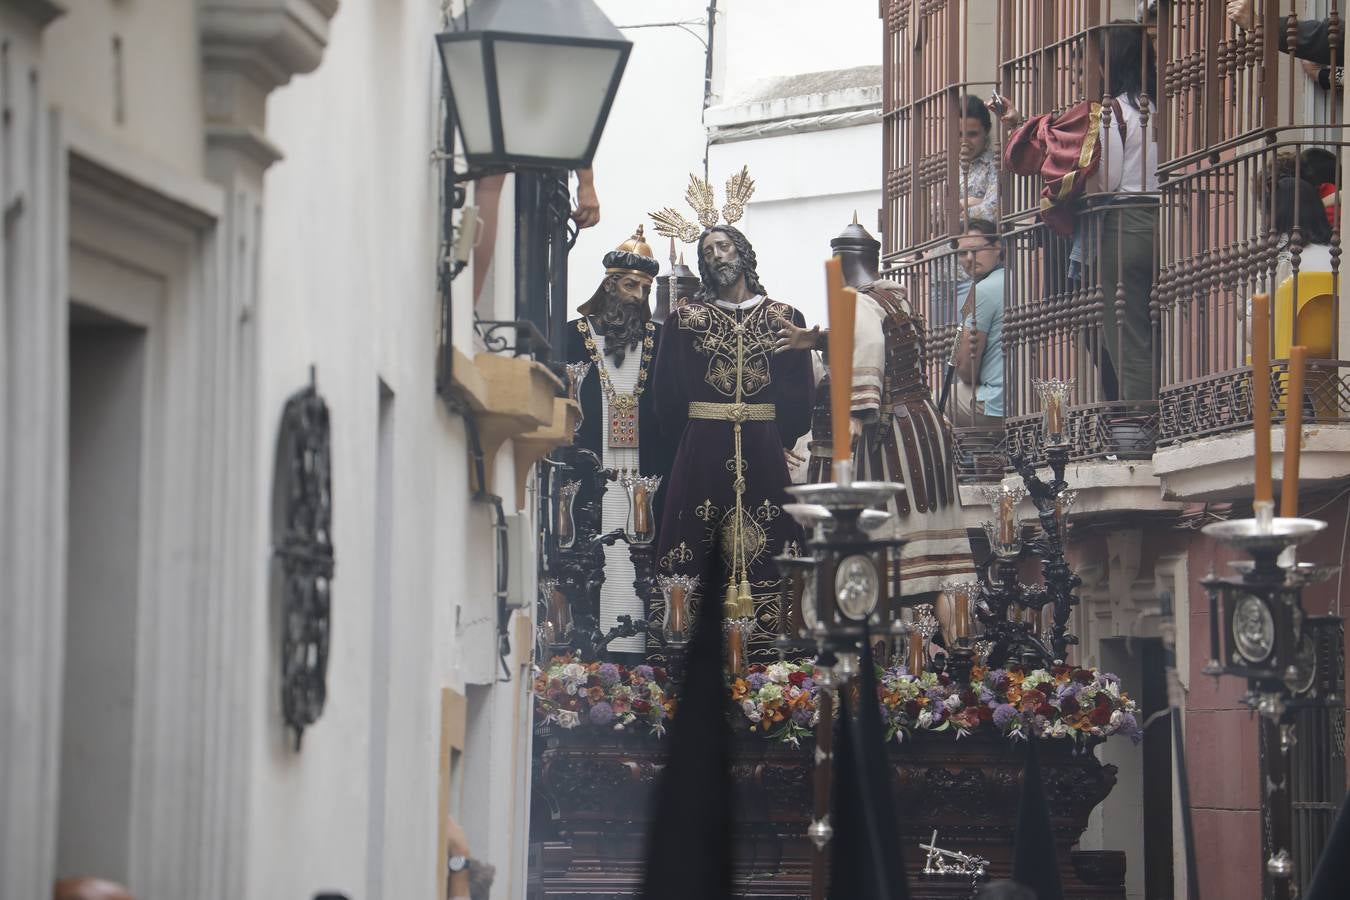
[
  {"x": 1126, "y": 262},
  {"x": 1318, "y": 166},
  {"x": 1312, "y": 39},
  {"x": 978, "y": 397},
  {"x": 1299, "y": 205},
  {"x": 979, "y": 200},
  {"x": 979, "y": 163}
]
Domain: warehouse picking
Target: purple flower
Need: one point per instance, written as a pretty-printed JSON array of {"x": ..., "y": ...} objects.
[
  {"x": 936, "y": 694},
  {"x": 602, "y": 713},
  {"x": 1067, "y": 690},
  {"x": 756, "y": 680},
  {"x": 1129, "y": 725},
  {"x": 802, "y": 716},
  {"x": 809, "y": 684},
  {"x": 644, "y": 672},
  {"x": 609, "y": 674},
  {"x": 1004, "y": 713},
  {"x": 986, "y": 695}
]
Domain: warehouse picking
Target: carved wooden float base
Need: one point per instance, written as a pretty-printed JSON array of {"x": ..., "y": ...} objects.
[{"x": 592, "y": 792}]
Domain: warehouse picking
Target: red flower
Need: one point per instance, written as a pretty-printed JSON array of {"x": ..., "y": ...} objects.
[
  {"x": 1100, "y": 716},
  {"x": 944, "y": 679},
  {"x": 641, "y": 707},
  {"x": 755, "y": 668},
  {"x": 912, "y": 709},
  {"x": 986, "y": 714},
  {"x": 659, "y": 674},
  {"x": 1103, "y": 701},
  {"x": 1083, "y": 676},
  {"x": 1045, "y": 709},
  {"x": 1069, "y": 705},
  {"x": 797, "y": 678},
  {"x": 968, "y": 698}
]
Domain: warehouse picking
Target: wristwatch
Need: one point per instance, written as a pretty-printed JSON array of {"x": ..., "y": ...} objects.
[{"x": 459, "y": 863}]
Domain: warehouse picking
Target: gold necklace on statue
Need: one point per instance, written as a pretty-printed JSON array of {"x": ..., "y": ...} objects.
[{"x": 623, "y": 408}]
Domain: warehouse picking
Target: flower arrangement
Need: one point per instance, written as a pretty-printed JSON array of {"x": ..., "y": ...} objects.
[
  {"x": 1062, "y": 702},
  {"x": 777, "y": 700},
  {"x": 569, "y": 693}
]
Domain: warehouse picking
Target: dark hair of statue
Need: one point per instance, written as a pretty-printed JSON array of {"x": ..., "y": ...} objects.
[
  {"x": 973, "y": 107},
  {"x": 746, "y": 254}
]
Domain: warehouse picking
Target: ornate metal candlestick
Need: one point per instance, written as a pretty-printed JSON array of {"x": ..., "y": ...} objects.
[
  {"x": 1008, "y": 634},
  {"x": 850, "y": 597},
  {"x": 1258, "y": 631}
]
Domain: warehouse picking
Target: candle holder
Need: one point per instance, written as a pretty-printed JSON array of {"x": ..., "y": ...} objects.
[
  {"x": 736, "y": 632},
  {"x": 557, "y": 625},
  {"x": 678, "y": 591},
  {"x": 1004, "y": 531},
  {"x": 962, "y": 595},
  {"x": 796, "y": 601},
  {"x": 921, "y": 631},
  {"x": 576, "y": 374},
  {"x": 641, "y": 490},
  {"x": 1054, "y": 394},
  {"x": 566, "y": 526}
]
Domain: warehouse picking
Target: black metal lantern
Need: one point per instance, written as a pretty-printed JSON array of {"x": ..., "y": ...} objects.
[
  {"x": 852, "y": 583},
  {"x": 532, "y": 81},
  {"x": 1256, "y": 617}
]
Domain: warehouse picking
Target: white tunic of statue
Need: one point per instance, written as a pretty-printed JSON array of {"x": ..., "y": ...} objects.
[{"x": 617, "y": 595}]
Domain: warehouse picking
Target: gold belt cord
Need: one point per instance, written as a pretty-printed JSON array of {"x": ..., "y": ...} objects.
[{"x": 739, "y": 603}]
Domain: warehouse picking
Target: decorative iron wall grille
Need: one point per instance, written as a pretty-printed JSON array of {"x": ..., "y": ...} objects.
[{"x": 302, "y": 516}]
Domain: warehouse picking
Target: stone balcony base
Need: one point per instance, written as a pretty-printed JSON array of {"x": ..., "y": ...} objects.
[{"x": 1220, "y": 467}]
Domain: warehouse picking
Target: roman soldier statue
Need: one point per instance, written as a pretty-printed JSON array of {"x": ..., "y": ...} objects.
[
  {"x": 616, "y": 337},
  {"x": 735, "y": 406},
  {"x": 897, "y": 432}
]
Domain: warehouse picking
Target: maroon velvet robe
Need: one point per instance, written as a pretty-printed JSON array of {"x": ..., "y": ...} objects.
[{"x": 697, "y": 362}]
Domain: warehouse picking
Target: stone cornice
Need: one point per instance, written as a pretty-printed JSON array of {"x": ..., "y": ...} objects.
[{"x": 269, "y": 40}]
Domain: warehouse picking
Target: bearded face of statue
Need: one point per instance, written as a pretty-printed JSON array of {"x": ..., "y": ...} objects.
[{"x": 621, "y": 316}]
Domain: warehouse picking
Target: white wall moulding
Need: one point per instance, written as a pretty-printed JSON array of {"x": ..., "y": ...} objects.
[{"x": 269, "y": 39}]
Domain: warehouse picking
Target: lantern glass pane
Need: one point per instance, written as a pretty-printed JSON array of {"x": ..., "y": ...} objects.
[
  {"x": 552, "y": 96},
  {"x": 468, "y": 85}
]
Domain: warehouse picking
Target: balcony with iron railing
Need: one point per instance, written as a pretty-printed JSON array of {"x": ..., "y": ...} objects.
[{"x": 1231, "y": 105}]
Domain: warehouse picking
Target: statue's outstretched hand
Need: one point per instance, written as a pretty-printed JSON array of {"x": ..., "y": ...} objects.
[{"x": 790, "y": 337}]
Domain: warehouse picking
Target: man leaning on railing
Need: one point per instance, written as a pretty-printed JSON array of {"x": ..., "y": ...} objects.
[{"x": 978, "y": 398}]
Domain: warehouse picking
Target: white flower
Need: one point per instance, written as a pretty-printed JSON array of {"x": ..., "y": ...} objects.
[
  {"x": 925, "y": 719},
  {"x": 778, "y": 672},
  {"x": 953, "y": 702},
  {"x": 751, "y": 713},
  {"x": 1059, "y": 730},
  {"x": 1116, "y": 718},
  {"x": 568, "y": 719}
]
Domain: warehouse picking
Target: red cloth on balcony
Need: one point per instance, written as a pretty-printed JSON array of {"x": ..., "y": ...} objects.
[{"x": 1065, "y": 150}]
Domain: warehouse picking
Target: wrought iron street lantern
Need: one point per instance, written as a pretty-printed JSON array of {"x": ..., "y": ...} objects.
[{"x": 532, "y": 81}]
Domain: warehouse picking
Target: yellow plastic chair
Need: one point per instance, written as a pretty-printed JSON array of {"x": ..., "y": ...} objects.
[{"x": 1315, "y": 315}]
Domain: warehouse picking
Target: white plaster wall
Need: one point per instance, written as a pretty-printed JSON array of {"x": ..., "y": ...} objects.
[
  {"x": 158, "y": 108},
  {"x": 655, "y": 136},
  {"x": 764, "y": 38},
  {"x": 348, "y": 284}
]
